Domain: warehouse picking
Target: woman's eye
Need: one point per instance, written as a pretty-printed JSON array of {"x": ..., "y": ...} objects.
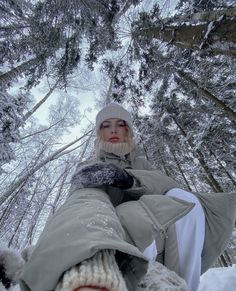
[
  {"x": 105, "y": 125},
  {"x": 121, "y": 124}
]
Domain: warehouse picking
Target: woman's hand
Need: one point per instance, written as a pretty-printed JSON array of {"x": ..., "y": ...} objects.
[{"x": 99, "y": 174}]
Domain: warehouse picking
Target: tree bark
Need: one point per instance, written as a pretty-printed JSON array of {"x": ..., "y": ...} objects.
[
  {"x": 122, "y": 11},
  {"x": 10, "y": 243},
  {"x": 44, "y": 99},
  {"x": 34, "y": 220},
  {"x": 5, "y": 214},
  {"x": 15, "y": 72},
  {"x": 225, "y": 259},
  {"x": 209, "y": 176},
  {"x": 58, "y": 195},
  {"x": 40, "y": 131},
  {"x": 204, "y": 16},
  {"x": 64, "y": 176},
  {"x": 181, "y": 171},
  {"x": 208, "y": 95},
  {"x": 197, "y": 36},
  {"x": 231, "y": 178},
  {"x": 34, "y": 169},
  {"x": 165, "y": 168}
]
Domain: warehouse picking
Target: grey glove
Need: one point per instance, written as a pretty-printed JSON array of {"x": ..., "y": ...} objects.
[
  {"x": 11, "y": 266},
  {"x": 99, "y": 174}
]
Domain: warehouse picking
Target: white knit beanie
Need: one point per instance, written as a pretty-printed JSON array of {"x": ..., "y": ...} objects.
[{"x": 113, "y": 110}]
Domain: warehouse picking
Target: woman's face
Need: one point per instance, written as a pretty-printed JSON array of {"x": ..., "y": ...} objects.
[{"x": 114, "y": 130}]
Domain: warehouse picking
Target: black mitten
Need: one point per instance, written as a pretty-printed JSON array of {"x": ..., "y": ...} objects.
[{"x": 99, "y": 174}]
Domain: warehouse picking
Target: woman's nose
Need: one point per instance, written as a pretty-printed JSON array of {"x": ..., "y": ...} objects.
[{"x": 113, "y": 129}]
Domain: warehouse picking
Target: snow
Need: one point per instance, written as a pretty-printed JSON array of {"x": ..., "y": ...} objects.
[
  {"x": 209, "y": 29},
  {"x": 15, "y": 288},
  {"x": 219, "y": 279}
]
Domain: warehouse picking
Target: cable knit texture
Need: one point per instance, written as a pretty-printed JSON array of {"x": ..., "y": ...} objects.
[
  {"x": 119, "y": 149},
  {"x": 99, "y": 271}
]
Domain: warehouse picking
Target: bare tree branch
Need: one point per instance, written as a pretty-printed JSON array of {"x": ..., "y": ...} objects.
[
  {"x": 34, "y": 169},
  {"x": 44, "y": 99}
]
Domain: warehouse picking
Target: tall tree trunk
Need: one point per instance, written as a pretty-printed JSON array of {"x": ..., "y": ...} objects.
[
  {"x": 199, "y": 35},
  {"x": 41, "y": 102},
  {"x": 27, "y": 206},
  {"x": 181, "y": 171},
  {"x": 65, "y": 174},
  {"x": 15, "y": 72},
  {"x": 163, "y": 164},
  {"x": 225, "y": 260},
  {"x": 231, "y": 178},
  {"x": 194, "y": 185},
  {"x": 145, "y": 151},
  {"x": 35, "y": 218},
  {"x": 108, "y": 99},
  {"x": 6, "y": 212},
  {"x": 59, "y": 192},
  {"x": 11, "y": 203},
  {"x": 122, "y": 11},
  {"x": 209, "y": 176},
  {"x": 34, "y": 169},
  {"x": 208, "y": 95}
]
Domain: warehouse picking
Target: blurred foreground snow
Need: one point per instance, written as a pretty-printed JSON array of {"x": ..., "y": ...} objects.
[{"x": 219, "y": 279}]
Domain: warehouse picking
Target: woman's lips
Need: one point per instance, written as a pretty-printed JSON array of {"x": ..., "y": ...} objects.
[{"x": 114, "y": 139}]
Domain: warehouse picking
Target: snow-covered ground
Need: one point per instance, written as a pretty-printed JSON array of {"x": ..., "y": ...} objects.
[
  {"x": 215, "y": 279},
  {"x": 219, "y": 279}
]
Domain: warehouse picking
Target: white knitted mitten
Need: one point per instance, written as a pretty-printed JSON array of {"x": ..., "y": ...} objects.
[{"x": 99, "y": 271}]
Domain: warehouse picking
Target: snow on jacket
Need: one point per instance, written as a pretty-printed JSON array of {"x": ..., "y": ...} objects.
[{"x": 92, "y": 219}]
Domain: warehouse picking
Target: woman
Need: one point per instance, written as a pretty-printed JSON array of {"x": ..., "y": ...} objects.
[{"x": 118, "y": 205}]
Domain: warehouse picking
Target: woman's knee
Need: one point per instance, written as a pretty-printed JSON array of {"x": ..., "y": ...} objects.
[{"x": 197, "y": 211}]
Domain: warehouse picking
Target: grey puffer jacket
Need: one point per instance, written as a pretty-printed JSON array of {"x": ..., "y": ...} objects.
[{"x": 128, "y": 221}]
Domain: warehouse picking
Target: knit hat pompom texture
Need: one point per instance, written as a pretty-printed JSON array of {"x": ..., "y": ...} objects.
[
  {"x": 113, "y": 110},
  {"x": 99, "y": 271}
]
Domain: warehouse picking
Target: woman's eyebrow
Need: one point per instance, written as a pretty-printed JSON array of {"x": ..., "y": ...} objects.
[
  {"x": 108, "y": 121},
  {"x": 120, "y": 120}
]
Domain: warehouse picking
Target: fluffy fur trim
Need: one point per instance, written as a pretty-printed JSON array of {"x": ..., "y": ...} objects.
[
  {"x": 11, "y": 266},
  {"x": 160, "y": 278}
]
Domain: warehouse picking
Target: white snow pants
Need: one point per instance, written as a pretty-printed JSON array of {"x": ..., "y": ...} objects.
[{"x": 190, "y": 231}]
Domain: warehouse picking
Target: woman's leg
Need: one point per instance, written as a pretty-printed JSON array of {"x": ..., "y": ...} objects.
[
  {"x": 86, "y": 224},
  {"x": 190, "y": 232},
  {"x": 151, "y": 252}
]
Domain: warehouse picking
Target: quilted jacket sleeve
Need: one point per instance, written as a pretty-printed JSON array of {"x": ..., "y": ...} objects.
[{"x": 150, "y": 181}]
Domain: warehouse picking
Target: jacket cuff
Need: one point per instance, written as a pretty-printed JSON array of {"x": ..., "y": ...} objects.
[
  {"x": 152, "y": 182},
  {"x": 99, "y": 271}
]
